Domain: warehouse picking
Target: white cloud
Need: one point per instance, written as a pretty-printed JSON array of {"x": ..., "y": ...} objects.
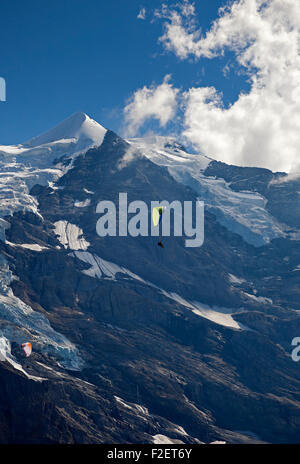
[
  {"x": 142, "y": 14},
  {"x": 262, "y": 128},
  {"x": 155, "y": 102},
  {"x": 180, "y": 28},
  {"x": 130, "y": 155}
]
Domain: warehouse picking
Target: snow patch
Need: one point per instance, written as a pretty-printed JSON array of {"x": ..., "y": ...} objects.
[
  {"x": 235, "y": 280},
  {"x": 82, "y": 204},
  {"x": 137, "y": 408},
  {"x": 88, "y": 192},
  {"x": 180, "y": 430},
  {"x": 259, "y": 299},
  {"x": 70, "y": 236},
  {"x": 164, "y": 440},
  {"x": 28, "y": 246},
  {"x": 221, "y": 316},
  {"x": 99, "y": 267}
]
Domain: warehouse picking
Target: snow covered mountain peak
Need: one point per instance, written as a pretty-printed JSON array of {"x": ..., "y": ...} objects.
[
  {"x": 74, "y": 135},
  {"x": 43, "y": 159},
  {"x": 79, "y": 126}
]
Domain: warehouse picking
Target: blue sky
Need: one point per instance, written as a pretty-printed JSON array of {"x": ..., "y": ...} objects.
[
  {"x": 225, "y": 82},
  {"x": 64, "y": 56}
]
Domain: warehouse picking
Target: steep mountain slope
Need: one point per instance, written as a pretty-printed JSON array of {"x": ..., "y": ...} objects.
[
  {"x": 239, "y": 209},
  {"x": 42, "y": 160},
  {"x": 132, "y": 341}
]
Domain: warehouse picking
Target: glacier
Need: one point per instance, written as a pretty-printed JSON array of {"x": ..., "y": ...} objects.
[
  {"x": 241, "y": 212},
  {"x": 39, "y": 161},
  {"x": 19, "y": 323}
]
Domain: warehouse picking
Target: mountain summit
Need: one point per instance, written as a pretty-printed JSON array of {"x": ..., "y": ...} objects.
[{"x": 79, "y": 127}]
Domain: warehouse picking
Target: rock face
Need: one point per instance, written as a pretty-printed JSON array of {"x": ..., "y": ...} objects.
[{"x": 190, "y": 343}]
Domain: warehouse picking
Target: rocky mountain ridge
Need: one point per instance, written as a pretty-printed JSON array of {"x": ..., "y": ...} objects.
[{"x": 131, "y": 341}]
